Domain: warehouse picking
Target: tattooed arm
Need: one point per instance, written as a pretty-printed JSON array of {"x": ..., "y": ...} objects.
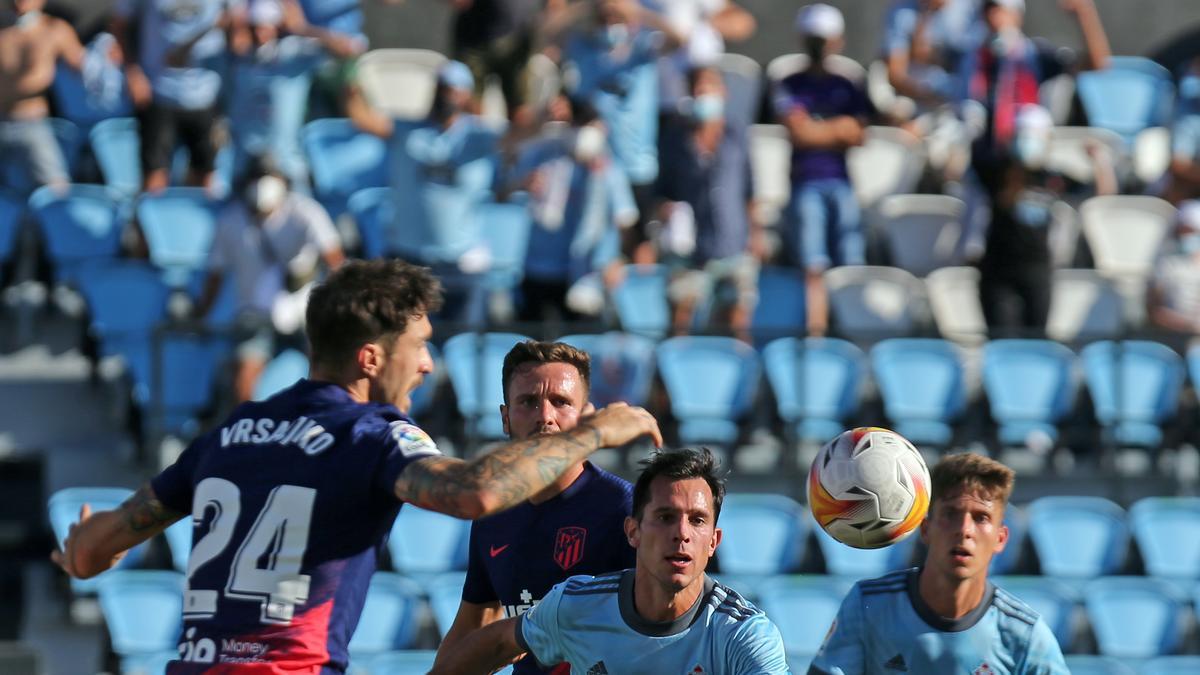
[
  {"x": 97, "y": 542},
  {"x": 518, "y": 470}
]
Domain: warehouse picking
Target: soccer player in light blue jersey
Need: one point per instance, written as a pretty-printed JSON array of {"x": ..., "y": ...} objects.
[
  {"x": 945, "y": 617},
  {"x": 663, "y": 616}
]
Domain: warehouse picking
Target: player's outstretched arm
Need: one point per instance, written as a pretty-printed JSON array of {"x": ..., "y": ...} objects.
[
  {"x": 518, "y": 470},
  {"x": 470, "y": 618},
  {"x": 98, "y": 541},
  {"x": 484, "y": 651}
]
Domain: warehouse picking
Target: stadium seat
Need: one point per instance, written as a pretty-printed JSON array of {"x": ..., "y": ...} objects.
[
  {"x": 1167, "y": 531},
  {"x": 1135, "y": 617},
  {"x": 70, "y": 141},
  {"x": 78, "y": 226},
  {"x": 1031, "y": 387},
  {"x": 1069, "y": 151},
  {"x": 407, "y": 662},
  {"x": 955, "y": 304},
  {"x": 280, "y": 373},
  {"x": 1193, "y": 363},
  {"x": 872, "y": 303},
  {"x": 179, "y": 543},
  {"x": 770, "y": 164},
  {"x": 505, "y": 228},
  {"x": 1084, "y": 306},
  {"x": 712, "y": 382},
  {"x": 400, "y": 82},
  {"x": 63, "y": 507},
  {"x": 423, "y": 396},
  {"x": 1078, "y": 537},
  {"x": 743, "y": 86},
  {"x": 473, "y": 362},
  {"x": 921, "y": 383},
  {"x": 1006, "y": 561},
  {"x": 12, "y": 210},
  {"x": 76, "y": 103},
  {"x": 780, "y": 310},
  {"x": 126, "y": 299},
  {"x": 116, "y": 145},
  {"x": 798, "y": 662},
  {"x": 640, "y": 300},
  {"x": 390, "y": 618},
  {"x": 1170, "y": 665},
  {"x": 1052, "y": 599},
  {"x": 817, "y": 383},
  {"x": 764, "y": 534},
  {"x": 343, "y": 160},
  {"x": 1147, "y": 385},
  {"x": 374, "y": 210},
  {"x": 174, "y": 379},
  {"x": 922, "y": 231},
  {"x": 148, "y": 664},
  {"x": 804, "y": 607},
  {"x": 1151, "y": 154},
  {"x": 1087, "y": 664},
  {"x": 889, "y": 162},
  {"x": 179, "y": 224},
  {"x": 1131, "y": 94},
  {"x": 622, "y": 366},
  {"x": 1125, "y": 233},
  {"x": 427, "y": 542},
  {"x": 861, "y": 563},
  {"x": 445, "y": 594},
  {"x": 142, "y": 610}
]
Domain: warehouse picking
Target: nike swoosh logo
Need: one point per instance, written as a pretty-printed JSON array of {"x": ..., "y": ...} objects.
[{"x": 497, "y": 550}]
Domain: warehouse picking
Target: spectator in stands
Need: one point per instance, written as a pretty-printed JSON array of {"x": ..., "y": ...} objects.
[
  {"x": 268, "y": 243},
  {"x": 342, "y": 17},
  {"x": 31, "y": 44},
  {"x": 274, "y": 53},
  {"x": 1185, "y": 137},
  {"x": 924, "y": 44},
  {"x": 609, "y": 49},
  {"x": 1174, "y": 296},
  {"x": 825, "y": 115},
  {"x": 709, "y": 229},
  {"x": 579, "y": 198},
  {"x": 704, "y": 26},
  {"x": 175, "y": 81},
  {"x": 1016, "y": 268}
]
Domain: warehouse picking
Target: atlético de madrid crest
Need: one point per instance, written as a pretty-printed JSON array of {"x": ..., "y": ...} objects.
[{"x": 568, "y": 546}]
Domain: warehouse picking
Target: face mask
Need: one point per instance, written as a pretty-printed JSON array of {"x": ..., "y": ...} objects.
[
  {"x": 708, "y": 107},
  {"x": 29, "y": 19},
  {"x": 1190, "y": 243},
  {"x": 266, "y": 193},
  {"x": 588, "y": 144},
  {"x": 615, "y": 35},
  {"x": 1030, "y": 150}
]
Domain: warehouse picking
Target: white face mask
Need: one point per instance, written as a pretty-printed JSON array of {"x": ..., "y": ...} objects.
[
  {"x": 29, "y": 19},
  {"x": 589, "y": 143},
  {"x": 266, "y": 194},
  {"x": 1031, "y": 150}
]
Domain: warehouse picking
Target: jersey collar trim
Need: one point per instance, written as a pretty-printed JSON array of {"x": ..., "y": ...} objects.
[
  {"x": 653, "y": 628},
  {"x": 940, "y": 622}
]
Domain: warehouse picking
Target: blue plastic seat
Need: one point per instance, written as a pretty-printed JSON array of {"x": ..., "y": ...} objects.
[
  {"x": 343, "y": 160},
  {"x": 174, "y": 388},
  {"x": 445, "y": 595},
  {"x": 79, "y": 226},
  {"x": 1005, "y": 562},
  {"x": 764, "y": 534},
  {"x": 921, "y": 383},
  {"x": 781, "y": 309},
  {"x": 622, "y": 366},
  {"x": 126, "y": 299},
  {"x": 473, "y": 362},
  {"x": 1135, "y": 617},
  {"x": 374, "y": 210},
  {"x": 1088, "y": 664},
  {"x": 1130, "y": 95},
  {"x": 1193, "y": 364},
  {"x": 390, "y": 618},
  {"x": 641, "y": 301},
  {"x": 407, "y": 662},
  {"x": 1078, "y": 537},
  {"x": 142, "y": 609},
  {"x": 803, "y": 607},
  {"x": 1149, "y": 380},
  {"x": 116, "y": 144},
  {"x": 70, "y": 141},
  {"x": 861, "y": 563},
  {"x": 179, "y": 543},
  {"x": 505, "y": 228},
  {"x": 280, "y": 373},
  {"x": 1030, "y": 387},
  {"x": 75, "y": 103},
  {"x": 63, "y": 507},
  {"x": 1170, "y": 665},
  {"x": 12, "y": 209},
  {"x": 1052, "y": 599},
  {"x": 427, "y": 542},
  {"x": 1167, "y": 531},
  {"x": 712, "y": 382},
  {"x": 817, "y": 383},
  {"x": 148, "y": 664},
  {"x": 798, "y": 662},
  {"x": 179, "y": 224}
]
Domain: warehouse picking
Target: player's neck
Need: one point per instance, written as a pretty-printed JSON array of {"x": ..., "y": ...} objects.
[
  {"x": 657, "y": 603},
  {"x": 556, "y": 488},
  {"x": 950, "y": 597}
]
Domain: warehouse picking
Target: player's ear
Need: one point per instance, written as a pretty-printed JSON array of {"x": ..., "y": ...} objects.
[
  {"x": 1001, "y": 538},
  {"x": 371, "y": 357},
  {"x": 504, "y": 419},
  {"x": 631, "y": 531},
  {"x": 716, "y": 540},
  {"x": 924, "y": 530},
  {"x": 588, "y": 408}
]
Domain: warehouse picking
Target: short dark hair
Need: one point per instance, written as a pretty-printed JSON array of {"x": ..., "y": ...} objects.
[
  {"x": 364, "y": 301},
  {"x": 974, "y": 472},
  {"x": 676, "y": 465},
  {"x": 532, "y": 351}
]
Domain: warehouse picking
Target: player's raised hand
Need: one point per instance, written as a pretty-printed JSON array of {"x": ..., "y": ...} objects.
[{"x": 620, "y": 423}]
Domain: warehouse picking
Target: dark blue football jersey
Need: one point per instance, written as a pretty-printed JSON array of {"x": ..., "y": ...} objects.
[
  {"x": 518, "y": 555},
  {"x": 291, "y": 502}
]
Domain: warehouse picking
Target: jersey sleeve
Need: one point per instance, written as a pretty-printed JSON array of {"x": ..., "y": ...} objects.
[
  {"x": 538, "y": 628},
  {"x": 404, "y": 443},
  {"x": 1044, "y": 656},
  {"x": 842, "y": 651},
  {"x": 174, "y": 485},
  {"x": 756, "y": 648},
  {"x": 477, "y": 588}
]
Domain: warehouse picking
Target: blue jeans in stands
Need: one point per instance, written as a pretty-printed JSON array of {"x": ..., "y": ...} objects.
[{"x": 825, "y": 225}]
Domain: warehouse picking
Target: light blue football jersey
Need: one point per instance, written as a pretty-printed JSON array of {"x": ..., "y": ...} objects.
[
  {"x": 591, "y": 623},
  {"x": 885, "y": 627}
]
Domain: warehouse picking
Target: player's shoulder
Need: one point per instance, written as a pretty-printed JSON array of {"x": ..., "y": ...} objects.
[
  {"x": 892, "y": 582},
  {"x": 586, "y": 584},
  {"x": 1014, "y": 608},
  {"x": 727, "y": 602}
]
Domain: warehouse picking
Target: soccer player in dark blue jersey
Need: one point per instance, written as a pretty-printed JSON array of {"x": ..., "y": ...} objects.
[
  {"x": 292, "y": 498},
  {"x": 945, "y": 617},
  {"x": 575, "y": 526}
]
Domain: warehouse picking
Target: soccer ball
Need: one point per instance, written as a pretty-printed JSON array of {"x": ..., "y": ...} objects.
[{"x": 868, "y": 488}]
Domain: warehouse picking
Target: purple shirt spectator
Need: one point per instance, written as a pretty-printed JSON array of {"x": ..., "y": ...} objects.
[{"x": 820, "y": 96}]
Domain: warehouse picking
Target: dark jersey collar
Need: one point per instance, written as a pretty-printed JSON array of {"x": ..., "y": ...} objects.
[
  {"x": 657, "y": 628},
  {"x": 938, "y": 621}
]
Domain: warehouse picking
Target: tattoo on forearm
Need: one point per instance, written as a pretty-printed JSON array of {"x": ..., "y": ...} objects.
[{"x": 144, "y": 512}]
